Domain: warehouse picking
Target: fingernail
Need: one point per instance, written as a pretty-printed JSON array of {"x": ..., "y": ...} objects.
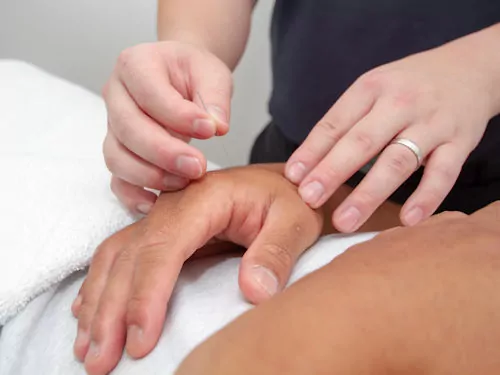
[
  {"x": 144, "y": 208},
  {"x": 217, "y": 113},
  {"x": 266, "y": 279},
  {"x": 82, "y": 338},
  {"x": 296, "y": 172},
  {"x": 174, "y": 182},
  {"x": 134, "y": 334},
  {"x": 348, "y": 219},
  {"x": 204, "y": 127},
  {"x": 312, "y": 192},
  {"x": 189, "y": 166},
  {"x": 93, "y": 352},
  {"x": 414, "y": 216}
]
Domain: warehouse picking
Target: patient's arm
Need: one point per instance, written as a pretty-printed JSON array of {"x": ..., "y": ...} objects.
[{"x": 421, "y": 300}]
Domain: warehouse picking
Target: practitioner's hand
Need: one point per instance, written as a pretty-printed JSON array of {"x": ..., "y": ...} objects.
[
  {"x": 124, "y": 299},
  {"x": 422, "y": 300},
  {"x": 154, "y": 108},
  {"x": 441, "y": 100}
]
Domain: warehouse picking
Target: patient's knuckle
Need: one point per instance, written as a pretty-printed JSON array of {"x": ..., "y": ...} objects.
[
  {"x": 85, "y": 316},
  {"x": 137, "y": 308}
]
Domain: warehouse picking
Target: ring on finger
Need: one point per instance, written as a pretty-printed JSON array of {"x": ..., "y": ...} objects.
[{"x": 412, "y": 146}]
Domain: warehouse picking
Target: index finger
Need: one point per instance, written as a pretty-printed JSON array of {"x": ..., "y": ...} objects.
[
  {"x": 153, "y": 92},
  {"x": 158, "y": 264},
  {"x": 351, "y": 107}
]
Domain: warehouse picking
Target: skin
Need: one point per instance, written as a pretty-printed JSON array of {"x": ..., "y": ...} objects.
[
  {"x": 440, "y": 99},
  {"x": 155, "y": 93},
  {"x": 419, "y": 300},
  {"x": 123, "y": 300}
]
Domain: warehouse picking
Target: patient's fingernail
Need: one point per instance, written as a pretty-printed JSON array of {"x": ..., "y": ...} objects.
[
  {"x": 414, "y": 216},
  {"x": 189, "y": 166},
  {"x": 348, "y": 219},
  {"x": 312, "y": 192},
  {"x": 134, "y": 334},
  {"x": 296, "y": 172},
  {"x": 266, "y": 279},
  {"x": 93, "y": 352},
  {"x": 144, "y": 208}
]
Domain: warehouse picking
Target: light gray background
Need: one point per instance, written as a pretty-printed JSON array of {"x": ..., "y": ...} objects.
[{"x": 80, "y": 40}]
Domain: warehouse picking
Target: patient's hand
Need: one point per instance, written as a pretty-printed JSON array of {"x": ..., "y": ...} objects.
[
  {"x": 420, "y": 301},
  {"x": 124, "y": 299}
]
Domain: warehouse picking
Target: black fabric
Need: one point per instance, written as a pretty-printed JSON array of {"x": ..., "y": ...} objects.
[
  {"x": 320, "y": 47},
  {"x": 272, "y": 146}
]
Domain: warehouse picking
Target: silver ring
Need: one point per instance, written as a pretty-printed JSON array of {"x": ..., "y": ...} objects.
[{"x": 410, "y": 145}]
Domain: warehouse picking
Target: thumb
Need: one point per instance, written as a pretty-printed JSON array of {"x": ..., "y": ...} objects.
[
  {"x": 267, "y": 264},
  {"x": 213, "y": 89}
]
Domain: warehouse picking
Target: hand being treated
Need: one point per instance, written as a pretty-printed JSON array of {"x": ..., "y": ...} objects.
[
  {"x": 124, "y": 298},
  {"x": 439, "y": 100},
  {"x": 156, "y": 99}
]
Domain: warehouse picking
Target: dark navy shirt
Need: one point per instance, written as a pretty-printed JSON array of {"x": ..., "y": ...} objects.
[{"x": 320, "y": 47}]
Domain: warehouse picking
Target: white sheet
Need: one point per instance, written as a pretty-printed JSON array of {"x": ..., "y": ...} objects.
[
  {"x": 40, "y": 339},
  {"x": 57, "y": 207}
]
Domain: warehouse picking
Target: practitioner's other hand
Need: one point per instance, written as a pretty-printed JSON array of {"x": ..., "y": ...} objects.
[
  {"x": 123, "y": 301},
  {"x": 439, "y": 101},
  {"x": 422, "y": 300},
  {"x": 156, "y": 100}
]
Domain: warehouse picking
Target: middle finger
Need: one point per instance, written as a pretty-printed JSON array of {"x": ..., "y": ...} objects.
[{"x": 364, "y": 141}]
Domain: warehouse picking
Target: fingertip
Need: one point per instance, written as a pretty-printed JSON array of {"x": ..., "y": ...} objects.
[
  {"x": 258, "y": 283},
  {"x": 136, "y": 199},
  {"x": 295, "y": 172},
  {"x": 222, "y": 129},
  {"x": 347, "y": 219},
  {"x": 136, "y": 346},
  {"x": 81, "y": 345}
]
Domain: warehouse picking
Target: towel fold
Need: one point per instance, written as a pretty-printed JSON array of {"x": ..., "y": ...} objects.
[{"x": 56, "y": 204}]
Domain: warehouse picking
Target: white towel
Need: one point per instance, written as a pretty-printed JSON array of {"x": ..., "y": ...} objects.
[
  {"x": 50, "y": 159},
  {"x": 56, "y": 204}
]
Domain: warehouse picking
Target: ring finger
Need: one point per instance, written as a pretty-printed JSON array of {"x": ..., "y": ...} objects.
[{"x": 395, "y": 164}]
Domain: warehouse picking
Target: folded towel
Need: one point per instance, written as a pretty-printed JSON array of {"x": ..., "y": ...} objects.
[
  {"x": 50, "y": 158},
  {"x": 56, "y": 202}
]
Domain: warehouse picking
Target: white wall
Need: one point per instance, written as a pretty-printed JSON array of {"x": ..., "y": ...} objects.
[{"x": 80, "y": 41}]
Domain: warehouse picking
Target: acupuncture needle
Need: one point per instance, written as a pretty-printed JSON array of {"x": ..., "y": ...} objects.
[{"x": 206, "y": 110}]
